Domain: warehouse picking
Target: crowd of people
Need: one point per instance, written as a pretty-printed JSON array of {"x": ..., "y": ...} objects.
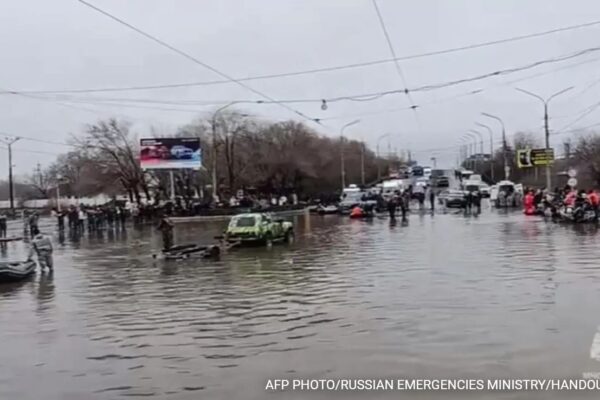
[
  {"x": 561, "y": 201},
  {"x": 397, "y": 200}
]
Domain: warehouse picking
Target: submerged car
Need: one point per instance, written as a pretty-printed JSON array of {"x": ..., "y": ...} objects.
[
  {"x": 259, "y": 228},
  {"x": 452, "y": 198}
]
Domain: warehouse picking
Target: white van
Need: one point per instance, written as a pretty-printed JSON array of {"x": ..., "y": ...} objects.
[{"x": 390, "y": 186}]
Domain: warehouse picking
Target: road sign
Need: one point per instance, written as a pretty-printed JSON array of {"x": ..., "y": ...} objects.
[
  {"x": 534, "y": 157},
  {"x": 572, "y": 182},
  {"x": 572, "y": 173}
]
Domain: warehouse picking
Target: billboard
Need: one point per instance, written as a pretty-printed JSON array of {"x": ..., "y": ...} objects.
[
  {"x": 534, "y": 157},
  {"x": 170, "y": 153}
]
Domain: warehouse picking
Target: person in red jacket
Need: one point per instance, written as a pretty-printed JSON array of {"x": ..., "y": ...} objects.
[
  {"x": 593, "y": 198},
  {"x": 529, "y": 203}
]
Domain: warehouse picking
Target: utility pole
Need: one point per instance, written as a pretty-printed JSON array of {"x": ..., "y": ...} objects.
[
  {"x": 39, "y": 175},
  {"x": 505, "y": 161},
  {"x": 362, "y": 163},
  {"x": 546, "y": 127},
  {"x": 9, "y": 141}
]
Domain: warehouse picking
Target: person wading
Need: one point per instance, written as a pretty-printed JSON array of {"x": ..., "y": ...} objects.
[
  {"x": 391, "y": 206},
  {"x": 42, "y": 246},
  {"x": 2, "y": 225},
  {"x": 432, "y": 199},
  {"x": 33, "y": 223},
  {"x": 166, "y": 228}
]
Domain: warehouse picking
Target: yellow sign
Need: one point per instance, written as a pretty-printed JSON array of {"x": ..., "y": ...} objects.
[{"x": 534, "y": 157}]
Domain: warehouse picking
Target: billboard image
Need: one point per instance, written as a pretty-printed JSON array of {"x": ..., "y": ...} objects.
[{"x": 170, "y": 153}]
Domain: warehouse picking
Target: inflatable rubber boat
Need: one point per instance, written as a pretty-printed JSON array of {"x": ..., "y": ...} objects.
[{"x": 16, "y": 271}]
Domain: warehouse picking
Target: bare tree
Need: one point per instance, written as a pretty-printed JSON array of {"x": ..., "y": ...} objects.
[
  {"x": 112, "y": 148},
  {"x": 587, "y": 154}
]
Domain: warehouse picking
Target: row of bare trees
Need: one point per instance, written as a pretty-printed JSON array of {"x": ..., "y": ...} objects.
[{"x": 270, "y": 157}]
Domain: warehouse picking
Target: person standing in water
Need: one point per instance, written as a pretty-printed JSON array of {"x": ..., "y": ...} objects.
[
  {"x": 432, "y": 199},
  {"x": 3, "y": 224},
  {"x": 33, "y": 223},
  {"x": 391, "y": 206},
  {"x": 476, "y": 199},
  {"x": 42, "y": 246},
  {"x": 166, "y": 228}
]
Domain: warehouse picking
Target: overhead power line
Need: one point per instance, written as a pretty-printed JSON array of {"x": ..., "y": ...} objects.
[
  {"x": 396, "y": 62},
  {"x": 364, "y": 97},
  {"x": 196, "y": 60},
  {"x": 319, "y": 70}
]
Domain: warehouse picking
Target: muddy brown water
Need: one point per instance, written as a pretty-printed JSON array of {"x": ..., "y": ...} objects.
[{"x": 501, "y": 295}]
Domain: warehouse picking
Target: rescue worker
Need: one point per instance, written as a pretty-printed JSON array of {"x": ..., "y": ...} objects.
[
  {"x": 42, "y": 246},
  {"x": 166, "y": 227}
]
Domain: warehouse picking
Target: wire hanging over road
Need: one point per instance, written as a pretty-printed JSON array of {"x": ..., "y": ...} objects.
[
  {"x": 322, "y": 69},
  {"x": 197, "y": 61}
]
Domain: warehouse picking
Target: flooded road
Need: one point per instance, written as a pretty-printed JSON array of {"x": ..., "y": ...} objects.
[{"x": 501, "y": 295}]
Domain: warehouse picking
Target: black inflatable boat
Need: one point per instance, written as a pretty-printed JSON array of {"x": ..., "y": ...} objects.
[
  {"x": 16, "y": 271},
  {"x": 190, "y": 250}
]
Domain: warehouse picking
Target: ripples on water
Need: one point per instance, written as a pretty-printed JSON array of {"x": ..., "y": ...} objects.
[{"x": 498, "y": 295}]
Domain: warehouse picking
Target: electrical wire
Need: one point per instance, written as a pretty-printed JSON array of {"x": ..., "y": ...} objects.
[
  {"x": 365, "y": 97},
  {"x": 320, "y": 70},
  {"x": 581, "y": 116},
  {"x": 396, "y": 62},
  {"x": 197, "y": 61},
  {"x": 16, "y": 149}
]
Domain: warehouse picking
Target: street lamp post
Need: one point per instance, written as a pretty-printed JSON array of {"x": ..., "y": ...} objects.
[
  {"x": 468, "y": 148},
  {"x": 491, "y": 148},
  {"x": 480, "y": 139},
  {"x": 342, "y": 160},
  {"x": 546, "y": 127},
  {"x": 480, "y": 142},
  {"x": 506, "y": 168},
  {"x": 377, "y": 151},
  {"x": 474, "y": 149},
  {"x": 434, "y": 161}
]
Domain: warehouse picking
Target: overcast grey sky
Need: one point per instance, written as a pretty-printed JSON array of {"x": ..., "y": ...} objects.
[{"x": 62, "y": 44}]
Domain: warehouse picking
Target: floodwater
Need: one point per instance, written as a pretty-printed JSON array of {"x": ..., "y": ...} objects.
[{"x": 497, "y": 296}]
